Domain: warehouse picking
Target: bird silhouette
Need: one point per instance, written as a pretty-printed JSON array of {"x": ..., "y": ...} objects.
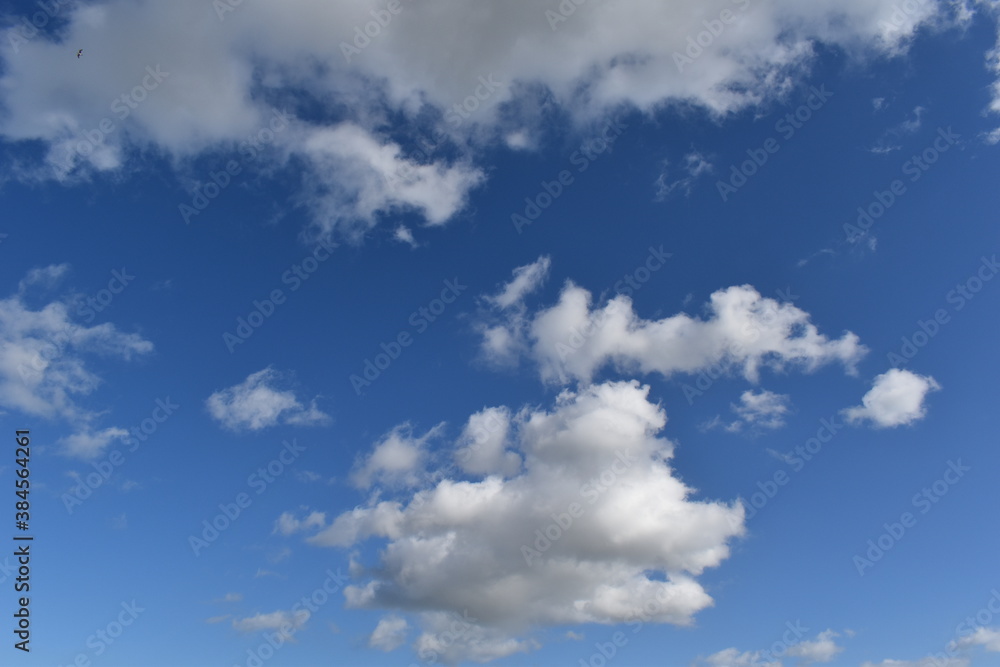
[{"x": 79, "y": 53}]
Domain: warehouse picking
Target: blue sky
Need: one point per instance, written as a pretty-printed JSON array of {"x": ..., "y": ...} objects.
[{"x": 521, "y": 335}]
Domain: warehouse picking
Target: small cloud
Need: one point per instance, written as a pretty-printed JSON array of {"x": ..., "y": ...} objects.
[
  {"x": 759, "y": 411},
  {"x": 218, "y": 619},
  {"x": 308, "y": 476},
  {"x": 255, "y": 404},
  {"x": 285, "y": 623},
  {"x": 695, "y": 164},
  {"x": 526, "y": 279},
  {"x": 45, "y": 277},
  {"x": 89, "y": 445},
  {"x": 389, "y": 634},
  {"x": 261, "y": 573},
  {"x": 896, "y": 398},
  {"x": 577, "y": 637},
  {"x": 879, "y": 103},
  {"x": 404, "y": 235},
  {"x": 396, "y": 460},
  {"x": 287, "y": 524}
]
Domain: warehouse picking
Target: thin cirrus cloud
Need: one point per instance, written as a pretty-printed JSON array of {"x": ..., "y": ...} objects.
[
  {"x": 256, "y": 403},
  {"x": 757, "y": 411},
  {"x": 822, "y": 649}
]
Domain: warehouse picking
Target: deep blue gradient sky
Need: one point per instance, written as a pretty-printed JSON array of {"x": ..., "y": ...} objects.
[{"x": 794, "y": 554}]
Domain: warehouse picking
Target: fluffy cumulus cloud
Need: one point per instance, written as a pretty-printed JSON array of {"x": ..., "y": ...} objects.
[
  {"x": 205, "y": 77},
  {"x": 389, "y": 634},
  {"x": 742, "y": 332},
  {"x": 255, "y": 404},
  {"x": 42, "y": 361},
  {"x": 895, "y": 399},
  {"x": 593, "y": 527},
  {"x": 396, "y": 460}
]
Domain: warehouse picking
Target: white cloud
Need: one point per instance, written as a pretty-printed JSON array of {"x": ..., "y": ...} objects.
[
  {"x": 255, "y": 404},
  {"x": 695, "y": 164},
  {"x": 396, "y": 460},
  {"x": 91, "y": 444},
  {"x": 389, "y": 634},
  {"x": 743, "y": 331},
  {"x": 286, "y": 623},
  {"x": 217, "y": 79},
  {"x": 821, "y": 649},
  {"x": 287, "y": 524},
  {"x": 474, "y": 546},
  {"x": 731, "y": 657},
  {"x": 483, "y": 446},
  {"x": 806, "y": 652},
  {"x": 356, "y": 176},
  {"x": 756, "y": 411},
  {"x": 763, "y": 409},
  {"x": 988, "y": 638},
  {"x": 42, "y": 369},
  {"x": 896, "y": 398},
  {"x": 924, "y": 662},
  {"x": 526, "y": 280}
]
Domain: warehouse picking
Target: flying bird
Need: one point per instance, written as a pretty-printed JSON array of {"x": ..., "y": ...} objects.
[{"x": 79, "y": 53}]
